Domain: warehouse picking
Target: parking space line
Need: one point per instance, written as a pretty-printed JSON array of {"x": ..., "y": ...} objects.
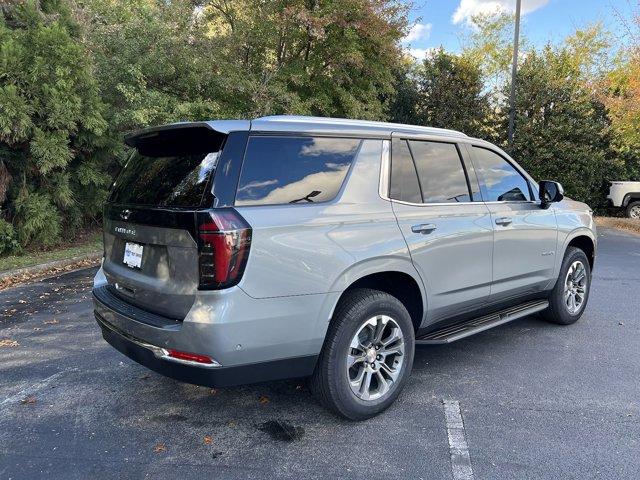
[
  {"x": 458, "y": 449},
  {"x": 34, "y": 388}
]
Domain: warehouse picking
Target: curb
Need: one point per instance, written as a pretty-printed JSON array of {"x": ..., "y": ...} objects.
[{"x": 46, "y": 267}]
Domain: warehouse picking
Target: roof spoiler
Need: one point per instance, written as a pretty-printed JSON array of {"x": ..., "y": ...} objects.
[{"x": 183, "y": 137}]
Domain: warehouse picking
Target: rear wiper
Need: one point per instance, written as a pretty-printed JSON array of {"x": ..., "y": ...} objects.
[{"x": 314, "y": 193}]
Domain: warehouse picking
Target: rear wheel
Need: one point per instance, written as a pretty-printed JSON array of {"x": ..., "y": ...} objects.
[
  {"x": 633, "y": 210},
  {"x": 569, "y": 297},
  {"x": 367, "y": 356}
]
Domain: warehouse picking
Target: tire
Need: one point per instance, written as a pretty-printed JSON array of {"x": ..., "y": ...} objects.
[
  {"x": 351, "y": 325},
  {"x": 633, "y": 210},
  {"x": 560, "y": 309}
]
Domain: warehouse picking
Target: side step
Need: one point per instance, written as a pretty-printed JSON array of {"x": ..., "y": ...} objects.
[{"x": 455, "y": 332}]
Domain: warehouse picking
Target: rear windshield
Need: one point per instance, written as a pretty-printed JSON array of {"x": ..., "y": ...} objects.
[
  {"x": 280, "y": 170},
  {"x": 168, "y": 170}
]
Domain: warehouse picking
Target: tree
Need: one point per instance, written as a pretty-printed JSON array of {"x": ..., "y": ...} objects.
[
  {"x": 489, "y": 44},
  {"x": 561, "y": 127},
  {"x": 319, "y": 57},
  {"x": 51, "y": 122},
  {"x": 451, "y": 94},
  {"x": 404, "y": 105},
  {"x": 621, "y": 87},
  {"x": 159, "y": 61}
]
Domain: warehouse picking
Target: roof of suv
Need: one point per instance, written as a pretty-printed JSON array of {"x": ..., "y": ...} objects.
[
  {"x": 286, "y": 123},
  {"x": 300, "y": 124}
]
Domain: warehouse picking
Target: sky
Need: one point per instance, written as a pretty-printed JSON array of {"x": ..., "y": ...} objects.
[{"x": 443, "y": 22}]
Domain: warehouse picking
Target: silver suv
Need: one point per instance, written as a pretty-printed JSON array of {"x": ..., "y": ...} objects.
[{"x": 250, "y": 251}]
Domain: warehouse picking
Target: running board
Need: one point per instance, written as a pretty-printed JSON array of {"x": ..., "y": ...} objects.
[{"x": 455, "y": 332}]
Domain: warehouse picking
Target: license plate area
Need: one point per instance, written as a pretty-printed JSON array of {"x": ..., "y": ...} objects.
[{"x": 133, "y": 255}]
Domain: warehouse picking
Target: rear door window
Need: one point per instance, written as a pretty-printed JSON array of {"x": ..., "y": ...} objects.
[
  {"x": 442, "y": 176},
  {"x": 288, "y": 170},
  {"x": 499, "y": 180}
]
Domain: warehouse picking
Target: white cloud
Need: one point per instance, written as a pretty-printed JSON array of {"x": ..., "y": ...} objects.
[
  {"x": 420, "y": 31},
  {"x": 329, "y": 146},
  {"x": 256, "y": 184},
  {"x": 301, "y": 188},
  {"x": 420, "y": 53},
  {"x": 470, "y": 8}
]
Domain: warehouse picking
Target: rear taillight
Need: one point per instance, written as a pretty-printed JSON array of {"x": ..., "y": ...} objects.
[{"x": 224, "y": 240}]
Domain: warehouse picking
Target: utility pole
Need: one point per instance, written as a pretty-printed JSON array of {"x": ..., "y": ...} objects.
[{"x": 514, "y": 70}]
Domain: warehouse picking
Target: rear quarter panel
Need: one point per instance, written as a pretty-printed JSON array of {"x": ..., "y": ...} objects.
[{"x": 321, "y": 248}]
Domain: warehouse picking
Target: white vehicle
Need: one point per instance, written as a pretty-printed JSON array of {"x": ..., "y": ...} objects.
[{"x": 626, "y": 195}]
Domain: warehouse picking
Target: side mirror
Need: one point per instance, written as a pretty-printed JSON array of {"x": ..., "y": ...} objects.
[{"x": 550, "y": 192}]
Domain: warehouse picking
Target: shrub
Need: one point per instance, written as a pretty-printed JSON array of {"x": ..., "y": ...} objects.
[
  {"x": 37, "y": 220},
  {"x": 8, "y": 239}
]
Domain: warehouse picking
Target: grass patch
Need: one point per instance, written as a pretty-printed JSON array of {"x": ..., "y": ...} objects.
[
  {"x": 87, "y": 243},
  {"x": 626, "y": 224}
]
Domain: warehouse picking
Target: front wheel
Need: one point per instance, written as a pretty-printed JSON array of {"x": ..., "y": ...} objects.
[
  {"x": 569, "y": 297},
  {"x": 367, "y": 356}
]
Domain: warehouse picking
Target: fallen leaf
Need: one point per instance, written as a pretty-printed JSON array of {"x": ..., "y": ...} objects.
[
  {"x": 231, "y": 423},
  {"x": 213, "y": 391},
  {"x": 264, "y": 400},
  {"x": 145, "y": 376},
  {"x": 51, "y": 322},
  {"x": 159, "y": 448},
  {"x": 6, "y": 342},
  {"x": 30, "y": 400},
  {"x": 207, "y": 440}
]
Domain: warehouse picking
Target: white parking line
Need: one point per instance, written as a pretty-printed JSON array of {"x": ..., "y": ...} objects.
[
  {"x": 34, "y": 388},
  {"x": 458, "y": 449}
]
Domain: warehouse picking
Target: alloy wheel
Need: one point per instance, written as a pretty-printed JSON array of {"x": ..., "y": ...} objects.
[
  {"x": 375, "y": 358},
  {"x": 575, "y": 287}
]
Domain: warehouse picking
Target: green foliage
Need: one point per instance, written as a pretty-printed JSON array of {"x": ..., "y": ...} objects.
[
  {"x": 51, "y": 118},
  {"x": 453, "y": 97},
  {"x": 40, "y": 221},
  {"x": 489, "y": 44},
  {"x": 404, "y": 106},
  {"x": 561, "y": 128},
  {"x": 8, "y": 239},
  {"x": 445, "y": 91},
  {"x": 75, "y": 76}
]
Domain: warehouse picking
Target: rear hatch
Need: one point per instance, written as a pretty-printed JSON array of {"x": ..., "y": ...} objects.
[{"x": 153, "y": 256}]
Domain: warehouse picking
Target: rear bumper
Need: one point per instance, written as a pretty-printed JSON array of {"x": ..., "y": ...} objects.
[
  {"x": 147, "y": 355},
  {"x": 251, "y": 340}
]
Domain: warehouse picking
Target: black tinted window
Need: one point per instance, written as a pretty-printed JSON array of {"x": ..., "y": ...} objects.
[
  {"x": 177, "y": 181},
  {"x": 279, "y": 170},
  {"x": 404, "y": 180},
  {"x": 440, "y": 170},
  {"x": 499, "y": 180},
  {"x": 169, "y": 167}
]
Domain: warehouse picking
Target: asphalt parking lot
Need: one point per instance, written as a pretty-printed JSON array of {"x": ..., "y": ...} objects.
[{"x": 537, "y": 400}]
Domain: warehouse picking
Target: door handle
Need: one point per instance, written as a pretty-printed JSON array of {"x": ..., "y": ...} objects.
[
  {"x": 504, "y": 220},
  {"x": 424, "y": 228}
]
